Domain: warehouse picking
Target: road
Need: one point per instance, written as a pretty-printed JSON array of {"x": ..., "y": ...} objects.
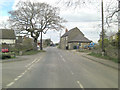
[{"x": 57, "y": 68}]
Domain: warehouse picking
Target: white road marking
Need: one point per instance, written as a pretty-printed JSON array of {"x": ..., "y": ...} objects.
[
  {"x": 20, "y": 76},
  {"x": 30, "y": 67},
  {"x": 38, "y": 60},
  {"x": 72, "y": 73},
  {"x": 81, "y": 86},
  {"x": 10, "y": 84},
  {"x": 63, "y": 59},
  {"x": 16, "y": 78},
  {"x": 61, "y": 56},
  {"x": 23, "y": 73},
  {"x": 30, "y": 63}
]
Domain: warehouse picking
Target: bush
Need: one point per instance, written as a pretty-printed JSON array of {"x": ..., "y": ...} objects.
[
  {"x": 97, "y": 49},
  {"x": 106, "y": 43},
  {"x": 112, "y": 51},
  {"x": 26, "y": 45},
  {"x": 32, "y": 52},
  {"x": 7, "y": 55}
]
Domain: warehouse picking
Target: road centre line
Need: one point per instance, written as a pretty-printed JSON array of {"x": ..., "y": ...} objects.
[
  {"x": 16, "y": 79},
  {"x": 30, "y": 65},
  {"x": 38, "y": 60},
  {"x": 63, "y": 59},
  {"x": 81, "y": 86},
  {"x": 10, "y": 84},
  {"x": 20, "y": 76},
  {"x": 71, "y": 72}
]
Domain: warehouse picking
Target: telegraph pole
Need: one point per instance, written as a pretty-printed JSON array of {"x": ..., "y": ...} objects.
[
  {"x": 119, "y": 32},
  {"x": 60, "y": 39},
  {"x": 103, "y": 50},
  {"x": 41, "y": 41}
]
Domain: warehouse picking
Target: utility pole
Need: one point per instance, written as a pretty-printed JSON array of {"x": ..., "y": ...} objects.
[
  {"x": 119, "y": 32},
  {"x": 60, "y": 39},
  {"x": 103, "y": 50},
  {"x": 41, "y": 41}
]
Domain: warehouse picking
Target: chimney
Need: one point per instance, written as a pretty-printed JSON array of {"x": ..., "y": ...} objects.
[{"x": 66, "y": 30}]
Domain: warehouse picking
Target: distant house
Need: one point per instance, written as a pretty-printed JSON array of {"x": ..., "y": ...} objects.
[
  {"x": 73, "y": 39},
  {"x": 19, "y": 39},
  {"x": 7, "y": 37},
  {"x": 45, "y": 42},
  {"x": 113, "y": 37}
]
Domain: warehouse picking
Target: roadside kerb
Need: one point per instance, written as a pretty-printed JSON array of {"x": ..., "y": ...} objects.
[
  {"x": 99, "y": 60},
  {"x": 18, "y": 58}
]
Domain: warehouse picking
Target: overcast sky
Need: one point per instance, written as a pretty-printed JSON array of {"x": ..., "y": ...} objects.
[{"x": 86, "y": 18}]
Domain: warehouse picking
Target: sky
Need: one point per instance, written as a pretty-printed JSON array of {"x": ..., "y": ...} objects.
[{"x": 87, "y": 17}]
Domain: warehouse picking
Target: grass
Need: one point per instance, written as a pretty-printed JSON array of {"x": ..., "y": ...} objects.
[
  {"x": 32, "y": 52},
  {"x": 84, "y": 50},
  {"x": 8, "y": 55},
  {"x": 104, "y": 57}
]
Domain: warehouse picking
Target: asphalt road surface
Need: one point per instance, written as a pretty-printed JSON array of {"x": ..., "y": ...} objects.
[{"x": 57, "y": 68}]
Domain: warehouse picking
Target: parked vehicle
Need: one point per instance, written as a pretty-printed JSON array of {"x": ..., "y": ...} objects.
[
  {"x": 91, "y": 45},
  {"x": 4, "y": 50},
  {"x": 5, "y": 53}
]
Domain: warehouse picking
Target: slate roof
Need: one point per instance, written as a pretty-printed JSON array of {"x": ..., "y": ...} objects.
[
  {"x": 7, "y": 34},
  {"x": 67, "y": 33},
  {"x": 80, "y": 38},
  {"x": 70, "y": 31}
]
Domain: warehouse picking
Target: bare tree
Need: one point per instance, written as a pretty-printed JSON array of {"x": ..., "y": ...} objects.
[
  {"x": 35, "y": 18},
  {"x": 4, "y": 25},
  {"x": 74, "y": 3},
  {"x": 111, "y": 8},
  {"x": 112, "y": 13}
]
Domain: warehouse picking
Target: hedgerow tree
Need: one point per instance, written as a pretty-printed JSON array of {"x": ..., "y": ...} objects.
[{"x": 35, "y": 18}]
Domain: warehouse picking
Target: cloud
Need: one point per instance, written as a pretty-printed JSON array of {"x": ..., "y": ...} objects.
[
  {"x": 3, "y": 19},
  {"x": 4, "y": 3},
  {"x": 82, "y": 15},
  {"x": 51, "y": 2},
  {"x": 86, "y": 19}
]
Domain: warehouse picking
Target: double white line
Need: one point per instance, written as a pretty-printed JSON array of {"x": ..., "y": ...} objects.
[
  {"x": 31, "y": 63},
  {"x": 28, "y": 66},
  {"x": 80, "y": 85},
  {"x": 62, "y": 57}
]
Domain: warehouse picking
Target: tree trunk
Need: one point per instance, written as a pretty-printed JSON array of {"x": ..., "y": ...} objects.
[
  {"x": 35, "y": 44},
  {"x": 41, "y": 42}
]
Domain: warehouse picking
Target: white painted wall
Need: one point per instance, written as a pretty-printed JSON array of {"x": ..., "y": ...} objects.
[{"x": 7, "y": 41}]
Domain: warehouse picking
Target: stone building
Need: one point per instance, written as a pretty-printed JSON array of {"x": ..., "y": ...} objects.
[{"x": 73, "y": 39}]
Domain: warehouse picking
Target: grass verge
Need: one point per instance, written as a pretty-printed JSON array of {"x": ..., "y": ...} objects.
[
  {"x": 32, "y": 52},
  {"x": 84, "y": 50},
  {"x": 104, "y": 57},
  {"x": 8, "y": 55}
]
